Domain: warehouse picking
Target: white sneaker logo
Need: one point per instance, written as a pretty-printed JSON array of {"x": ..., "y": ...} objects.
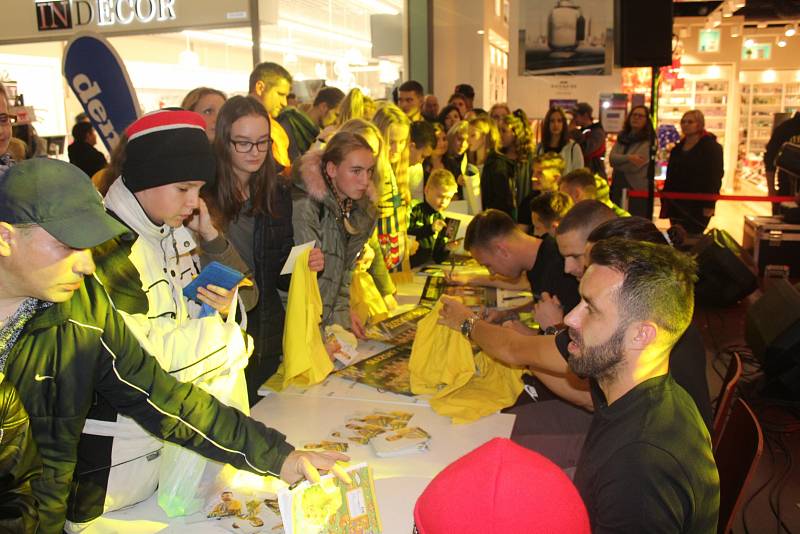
[{"x": 42, "y": 378}]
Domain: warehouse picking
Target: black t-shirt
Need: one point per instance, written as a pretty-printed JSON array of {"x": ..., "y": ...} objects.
[
  {"x": 687, "y": 365},
  {"x": 524, "y": 209},
  {"x": 547, "y": 274},
  {"x": 646, "y": 465}
]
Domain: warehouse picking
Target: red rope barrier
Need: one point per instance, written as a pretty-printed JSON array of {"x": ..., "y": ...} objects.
[{"x": 709, "y": 196}]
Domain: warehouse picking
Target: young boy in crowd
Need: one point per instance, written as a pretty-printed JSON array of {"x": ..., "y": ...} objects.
[
  {"x": 427, "y": 223},
  {"x": 547, "y": 210}
]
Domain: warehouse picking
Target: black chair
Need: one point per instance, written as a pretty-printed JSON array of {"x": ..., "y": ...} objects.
[{"x": 729, "y": 383}]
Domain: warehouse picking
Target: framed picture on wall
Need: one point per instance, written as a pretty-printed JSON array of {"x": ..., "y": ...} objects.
[{"x": 566, "y": 37}]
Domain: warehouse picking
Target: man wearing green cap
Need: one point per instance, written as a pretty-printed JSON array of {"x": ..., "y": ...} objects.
[{"x": 62, "y": 343}]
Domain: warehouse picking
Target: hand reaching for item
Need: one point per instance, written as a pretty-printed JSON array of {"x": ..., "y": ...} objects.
[
  {"x": 438, "y": 225},
  {"x": 307, "y": 464},
  {"x": 453, "y": 312},
  {"x": 356, "y": 326}
]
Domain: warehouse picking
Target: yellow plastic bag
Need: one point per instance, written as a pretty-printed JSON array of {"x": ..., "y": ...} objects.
[
  {"x": 495, "y": 386},
  {"x": 366, "y": 300},
  {"x": 441, "y": 358},
  {"x": 462, "y": 386},
  {"x": 305, "y": 360}
]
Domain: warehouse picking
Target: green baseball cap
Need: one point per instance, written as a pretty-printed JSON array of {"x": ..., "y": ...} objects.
[{"x": 60, "y": 198}]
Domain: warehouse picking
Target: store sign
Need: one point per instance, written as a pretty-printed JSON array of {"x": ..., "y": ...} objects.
[
  {"x": 75, "y": 14},
  {"x": 28, "y": 21},
  {"x": 97, "y": 76}
]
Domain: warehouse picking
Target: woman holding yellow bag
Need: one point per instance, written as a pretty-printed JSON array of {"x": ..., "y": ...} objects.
[
  {"x": 252, "y": 205},
  {"x": 333, "y": 199}
]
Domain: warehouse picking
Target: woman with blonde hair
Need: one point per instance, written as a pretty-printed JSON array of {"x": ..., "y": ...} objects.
[
  {"x": 352, "y": 107},
  {"x": 483, "y": 138},
  {"x": 498, "y": 112},
  {"x": 695, "y": 166},
  {"x": 506, "y": 176},
  {"x": 205, "y": 101},
  {"x": 394, "y": 196}
]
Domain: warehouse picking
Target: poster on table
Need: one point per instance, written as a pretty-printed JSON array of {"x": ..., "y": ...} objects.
[{"x": 566, "y": 37}]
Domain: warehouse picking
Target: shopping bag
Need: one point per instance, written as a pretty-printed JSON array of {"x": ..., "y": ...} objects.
[
  {"x": 441, "y": 358},
  {"x": 366, "y": 300},
  {"x": 305, "y": 360},
  {"x": 185, "y": 477},
  {"x": 494, "y": 386}
]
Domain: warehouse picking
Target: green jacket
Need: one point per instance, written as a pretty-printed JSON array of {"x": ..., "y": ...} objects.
[
  {"x": 73, "y": 351},
  {"x": 19, "y": 464}
]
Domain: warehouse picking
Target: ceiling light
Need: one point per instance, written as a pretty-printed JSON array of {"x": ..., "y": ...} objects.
[
  {"x": 749, "y": 42},
  {"x": 791, "y": 30},
  {"x": 781, "y": 41},
  {"x": 481, "y": 32},
  {"x": 761, "y": 25},
  {"x": 769, "y": 76}
]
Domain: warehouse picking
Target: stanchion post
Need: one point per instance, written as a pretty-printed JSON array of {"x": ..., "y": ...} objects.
[{"x": 651, "y": 165}]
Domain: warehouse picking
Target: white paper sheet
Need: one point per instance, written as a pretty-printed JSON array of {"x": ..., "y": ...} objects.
[{"x": 288, "y": 267}]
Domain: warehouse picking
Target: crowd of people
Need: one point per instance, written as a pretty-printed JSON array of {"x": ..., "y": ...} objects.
[{"x": 102, "y": 352}]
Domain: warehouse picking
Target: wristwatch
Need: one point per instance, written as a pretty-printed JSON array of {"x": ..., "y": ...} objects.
[
  {"x": 552, "y": 330},
  {"x": 467, "y": 326}
]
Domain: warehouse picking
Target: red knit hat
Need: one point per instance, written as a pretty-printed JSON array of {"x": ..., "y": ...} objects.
[
  {"x": 501, "y": 488},
  {"x": 165, "y": 147}
]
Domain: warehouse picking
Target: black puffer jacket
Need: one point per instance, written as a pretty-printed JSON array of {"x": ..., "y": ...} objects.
[
  {"x": 72, "y": 351},
  {"x": 273, "y": 239},
  {"x": 19, "y": 464}
]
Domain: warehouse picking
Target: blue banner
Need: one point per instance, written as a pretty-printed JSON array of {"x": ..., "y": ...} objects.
[{"x": 98, "y": 78}]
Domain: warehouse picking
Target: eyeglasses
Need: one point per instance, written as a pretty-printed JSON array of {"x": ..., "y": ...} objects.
[
  {"x": 243, "y": 147},
  {"x": 5, "y": 118}
]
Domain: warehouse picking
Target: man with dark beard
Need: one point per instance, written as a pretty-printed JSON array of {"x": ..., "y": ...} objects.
[{"x": 646, "y": 465}]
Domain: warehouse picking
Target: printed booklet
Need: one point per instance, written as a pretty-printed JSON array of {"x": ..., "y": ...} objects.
[{"x": 332, "y": 507}]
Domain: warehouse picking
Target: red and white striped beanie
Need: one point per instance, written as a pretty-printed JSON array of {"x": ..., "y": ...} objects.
[{"x": 165, "y": 147}]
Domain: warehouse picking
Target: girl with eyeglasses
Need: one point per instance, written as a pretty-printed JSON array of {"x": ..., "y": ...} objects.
[
  {"x": 252, "y": 205},
  {"x": 629, "y": 158}
]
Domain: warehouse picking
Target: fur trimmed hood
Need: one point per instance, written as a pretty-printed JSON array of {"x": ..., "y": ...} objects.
[{"x": 308, "y": 177}]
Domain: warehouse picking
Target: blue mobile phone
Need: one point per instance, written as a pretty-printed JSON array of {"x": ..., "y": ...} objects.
[{"x": 215, "y": 274}]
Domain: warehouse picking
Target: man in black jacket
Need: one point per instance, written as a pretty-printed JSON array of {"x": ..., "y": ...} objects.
[
  {"x": 82, "y": 152},
  {"x": 63, "y": 343}
]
